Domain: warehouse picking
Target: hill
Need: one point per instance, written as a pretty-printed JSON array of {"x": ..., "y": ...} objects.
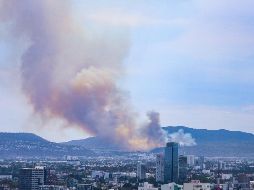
[
  {"x": 93, "y": 143},
  {"x": 221, "y": 143},
  {"x": 213, "y": 143},
  {"x": 204, "y": 135},
  {"x": 14, "y": 145}
]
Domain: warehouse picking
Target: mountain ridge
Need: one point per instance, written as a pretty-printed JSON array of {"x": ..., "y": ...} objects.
[
  {"x": 14, "y": 145},
  {"x": 202, "y": 133},
  {"x": 212, "y": 143}
]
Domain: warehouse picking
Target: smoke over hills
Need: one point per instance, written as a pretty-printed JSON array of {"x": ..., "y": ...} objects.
[{"x": 68, "y": 73}]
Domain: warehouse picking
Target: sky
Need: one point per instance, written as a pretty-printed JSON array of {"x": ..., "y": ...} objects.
[{"x": 190, "y": 60}]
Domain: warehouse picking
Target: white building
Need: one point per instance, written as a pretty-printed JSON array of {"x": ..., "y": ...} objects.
[
  {"x": 206, "y": 171},
  {"x": 146, "y": 186},
  {"x": 171, "y": 186},
  {"x": 196, "y": 185},
  {"x": 5, "y": 176},
  {"x": 160, "y": 168},
  {"x": 148, "y": 175},
  {"x": 226, "y": 176},
  {"x": 190, "y": 160},
  {"x": 132, "y": 174},
  {"x": 252, "y": 185}
]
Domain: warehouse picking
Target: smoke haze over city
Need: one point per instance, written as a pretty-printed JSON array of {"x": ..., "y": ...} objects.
[{"x": 72, "y": 69}]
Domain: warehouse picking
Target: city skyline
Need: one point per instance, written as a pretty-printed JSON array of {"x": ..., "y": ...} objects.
[{"x": 191, "y": 61}]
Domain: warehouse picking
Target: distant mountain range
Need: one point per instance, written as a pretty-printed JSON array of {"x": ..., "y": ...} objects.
[
  {"x": 221, "y": 143},
  {"x": 13, "y": 145},
  {"x": 214, "y": 143},
  {"x": 96, "y": 143}
]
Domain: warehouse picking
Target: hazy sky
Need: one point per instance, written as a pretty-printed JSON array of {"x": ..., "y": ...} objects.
[{"x": 190, "y": 60}]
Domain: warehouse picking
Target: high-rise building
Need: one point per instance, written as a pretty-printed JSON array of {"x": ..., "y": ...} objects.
[
  {"x": 160, "y": 168},
  {"x": 200, "y": 162},
  {"x": 171, "y": 162},
  {"x": 31, "y": 178},
  {"x": 191, "y": 160},
  {"x": 183, "y": 161},
  {"x": 141, "y": 171},
  {"x": 182, "y": 169}
]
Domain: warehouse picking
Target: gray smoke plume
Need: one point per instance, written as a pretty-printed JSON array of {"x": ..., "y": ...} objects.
[
  {"x": 157, "y": 136},
  {"x": 153, "y": 129},
  {"x": 70, "y": 73}
]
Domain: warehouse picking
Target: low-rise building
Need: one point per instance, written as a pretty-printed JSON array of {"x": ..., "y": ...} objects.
[
  {"x": 146, "y": 186},
  {"x": 5, "y": 177},
  {"x": 52, "y": 187},
  {"x": 196, "y": 185},
  {"x": 171, "y": 186}
]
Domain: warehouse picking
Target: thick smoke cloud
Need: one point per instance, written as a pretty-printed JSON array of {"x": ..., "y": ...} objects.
[
  {"x": 71, "y": 74},
  {"x": 157, "y": 137},
  {"x": 153, "y": 129}
]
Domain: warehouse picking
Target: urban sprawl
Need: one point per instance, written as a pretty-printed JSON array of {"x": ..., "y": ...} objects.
[{"x": 169, "y": 170}]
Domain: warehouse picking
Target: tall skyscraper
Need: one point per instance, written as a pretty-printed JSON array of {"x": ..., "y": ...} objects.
[
  {"x": 201, "y": 162},
  {"x": 191, "y": 160},
  {"x": 171, "y": 168},
  {"x": 31, "y": 178},
  {"x": 182, "y": 169},
  {"x": 141, "y": 171},
  {"x": 160, "y": 168}
]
